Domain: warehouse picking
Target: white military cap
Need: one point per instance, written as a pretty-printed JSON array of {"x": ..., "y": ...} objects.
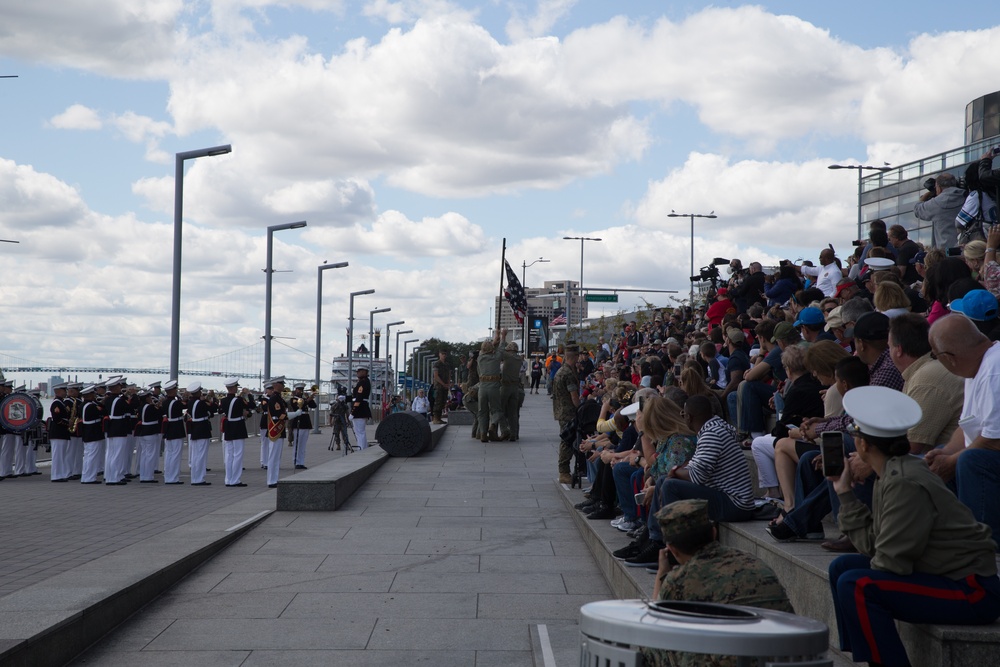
[
  {"x": 275, "y": 380},
  {"x": 268, "y": 385},
  {"x": 172, "y": 384},
  {"x": 879, "y": 263},
  {"x": 114, "y": 381},
  {"x": 89, "y": 389},
  {"x": 61, "y": 385},
  {"x": 299, "y": 385},
  {"x": 630, "y": 410},
  {"x": 881, "y": 412},
  {"x": 154, "y": 385},
  {"x": 21, "y": 388},
  {"x": 193, "y": 387},
  {"x": 232, "y": 382}
]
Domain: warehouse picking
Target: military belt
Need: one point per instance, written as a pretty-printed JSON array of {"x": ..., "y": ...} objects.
[{"x": 489, "y": 378}]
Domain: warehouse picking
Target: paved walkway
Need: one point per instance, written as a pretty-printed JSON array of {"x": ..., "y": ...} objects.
[
  {"x": 461, "y": 556},
  {"x": 50, "y": 528}
]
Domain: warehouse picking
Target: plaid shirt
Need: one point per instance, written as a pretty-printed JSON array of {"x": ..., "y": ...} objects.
[{"x": 883, "y": 373}]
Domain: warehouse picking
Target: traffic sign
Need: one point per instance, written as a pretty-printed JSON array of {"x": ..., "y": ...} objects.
[{"x": 605, "y": 298}]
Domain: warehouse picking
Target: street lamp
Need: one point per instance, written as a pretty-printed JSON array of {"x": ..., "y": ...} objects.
[
  {"x": 406, "y": 344},
  {"x": 581, "y": 239},
  {"x": 395, "y": 359},
  {"x": 350, "y": 333},
  {"x": 861, "y": 169},
  {"x": 319, "y": 325},
  {"x": 692, "y": 216},
  {"x": 371, "y": 340},
  {"x": 267, "y": 289},
  {"x": 175, "y": 309},
  {"x": 527, "y": 309}
]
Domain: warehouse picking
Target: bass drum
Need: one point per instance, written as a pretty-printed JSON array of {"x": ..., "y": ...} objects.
[{"x": 19, "y": 412}]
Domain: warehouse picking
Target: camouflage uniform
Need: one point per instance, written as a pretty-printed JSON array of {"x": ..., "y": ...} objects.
[
  {"x": 489, "y": 393},
  {"x": 470, "y": 399},
  {"x": 563, "y": 409},
  {"x": 510, "y": 391},
  {"x": 443, "y": 371},
  {"x": 715, "y": 573}
]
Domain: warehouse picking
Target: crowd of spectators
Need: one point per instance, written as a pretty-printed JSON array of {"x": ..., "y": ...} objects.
[{"x": 768, "y": 363}]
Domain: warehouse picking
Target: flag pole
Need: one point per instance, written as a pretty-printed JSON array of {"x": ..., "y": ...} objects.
[{"x": 503, "y": 259}]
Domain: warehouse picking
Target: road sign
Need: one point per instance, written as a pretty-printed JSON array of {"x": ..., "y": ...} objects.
[{"x": 604, "y": 298}]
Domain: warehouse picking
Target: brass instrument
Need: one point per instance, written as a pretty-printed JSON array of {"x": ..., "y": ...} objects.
[{"x": 74, "y": 420}]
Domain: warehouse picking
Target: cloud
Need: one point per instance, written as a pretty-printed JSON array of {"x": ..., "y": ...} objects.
[
  {"x": 547, "y": 13},
  {"x": 393, "y": 234},
  {"x": 77, "y": 117},
  {"x": 408, "y": 11}
]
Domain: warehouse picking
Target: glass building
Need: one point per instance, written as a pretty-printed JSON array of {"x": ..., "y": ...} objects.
[{"x": 891, "y": 195}]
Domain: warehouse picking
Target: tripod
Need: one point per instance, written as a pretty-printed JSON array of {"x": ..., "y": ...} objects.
[{"x": 336, "y": 427}]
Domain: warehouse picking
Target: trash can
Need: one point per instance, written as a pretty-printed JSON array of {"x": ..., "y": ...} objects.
[{"x": 613, "y": 630}]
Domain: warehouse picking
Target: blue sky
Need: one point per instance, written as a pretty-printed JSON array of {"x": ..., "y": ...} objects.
[{"x": 415, "y": 135}]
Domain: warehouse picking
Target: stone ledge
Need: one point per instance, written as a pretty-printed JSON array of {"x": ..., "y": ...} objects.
[
  {"x": 55, "y": 620},
  {"x": 328, "y": 486}
]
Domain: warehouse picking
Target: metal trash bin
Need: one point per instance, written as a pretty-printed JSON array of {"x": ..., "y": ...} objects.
[{"x": 612, "y": 630}]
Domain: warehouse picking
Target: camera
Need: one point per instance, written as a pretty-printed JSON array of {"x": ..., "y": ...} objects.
[
  {"x": 859, "y": 243},
  {"x": 706, "y": 273},
  {"x": 931, "y": 185}
]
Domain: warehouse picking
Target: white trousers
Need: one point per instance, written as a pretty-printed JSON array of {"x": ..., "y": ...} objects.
[
  {"x": 198, "y": 455},
  {"x": 360, "y": 433},
  {"x": 75, "y": 455},
  {"x": 301, "y": 436},
  {"x": 115, "y": 458},
  {"x": 232, "y": 452},
  {"x": 763, "y": 456},
  {"x": 265, "y": 447},
  {"x": 20, "y": 457},
  {"x": 131, "y": 456},
  {"x": 91, "y": 461},
  {"x": 102, "y": 447},
  {"x": 274, "y": 459},
  {"x": 172, "y": 460},
  {"x": 149, "y": 454},
  {"x": 60, "y": 459},
  {"x": 8, "y": 442}
]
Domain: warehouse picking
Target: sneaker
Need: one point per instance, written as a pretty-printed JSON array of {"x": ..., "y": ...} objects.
[
  {"x": 586, "y": 503},
  {"x": 631, "y": 550},
  {"x": 626, "y": 525},
  {"x": 616, "y": 522},
  {"x": 818, "y": 535},
  {"x": 648, "y": 556},
  {"x": 564, "y": 477},
  {"x": 781, "y": 532},
  {"x": 642, "y": 532},
  {"x": 653, "y": 570},
  {"x": 603, "y": 513}
]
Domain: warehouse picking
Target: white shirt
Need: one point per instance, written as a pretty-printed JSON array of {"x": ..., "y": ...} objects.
[
  {"x": 827, "y": 277},
  {"x": 421, "y": 405},
  {"x": 980, "y": 415}
]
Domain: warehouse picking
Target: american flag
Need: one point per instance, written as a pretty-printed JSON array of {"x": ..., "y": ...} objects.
[
  {"x": 559, "y": 319},
  {"x": 514, "y": 294}
]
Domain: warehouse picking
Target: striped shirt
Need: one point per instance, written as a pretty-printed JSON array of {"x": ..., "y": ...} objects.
[{"x": 719, "y": 463}]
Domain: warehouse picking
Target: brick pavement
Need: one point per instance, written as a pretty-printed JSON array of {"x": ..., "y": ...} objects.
[
  {"x": 50, "y": 528},
  {"x": 455, "y": 557}
]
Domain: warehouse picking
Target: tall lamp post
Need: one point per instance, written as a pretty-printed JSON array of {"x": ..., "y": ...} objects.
[
  {"x": 395, "y": 359},
  {"x": 319, "y": 325},
  {"x": 581, "y": 239},
  {"x": 350, "y": 334},
  {"x": 371, "y": 340},
  {"x": 861, "y": 169},
  {"x": 524, "y": 286},
  {"x": 175, "y": 309},
  {"x": 692, "y": 216},
  {"x": 406, "y": 344},
  {"x": 388, "y": 338},
  {"x": 269, "y": 271}
]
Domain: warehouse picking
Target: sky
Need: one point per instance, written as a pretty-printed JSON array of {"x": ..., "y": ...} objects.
[{"x": 415, "y": 136}]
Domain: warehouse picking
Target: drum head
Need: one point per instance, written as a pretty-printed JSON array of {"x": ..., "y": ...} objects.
[{"x": 19, "y": 412}]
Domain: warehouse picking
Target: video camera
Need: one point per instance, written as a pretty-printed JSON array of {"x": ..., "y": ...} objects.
[{"x": 711, "y": 272}]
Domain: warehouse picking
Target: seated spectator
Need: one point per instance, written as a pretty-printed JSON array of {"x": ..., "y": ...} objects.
[
  {"x": 694, "y": 385},
  {"x": 972, "y": 456},
  {"x": 812, "y": 324},
  {"x": 967, "y": 297},
  {"x": 738, "y": 362},
  {"x": 782, "y": 286},
  {"x": 924, "y": 557},
  {"x": 801, "y": 400},
  {"x": 974, "y": 256},
  {"x": 939, "y": 277},
  {"x": 719, "y": 309},
  {"x": 906, "y": 249},
  {"x": 990, "y": 273},
  {"x": 938, "y": 392},
  {"x": 940, "y": 208},
  {"x": 746, "y": 405},
  {"x": 694, "y": 566},
  {"x": 714, "y": 372},
  {"x": 871, "y": 340},
  {"x": 890, "y": 300},
  {"x": 835, "y": 326}
]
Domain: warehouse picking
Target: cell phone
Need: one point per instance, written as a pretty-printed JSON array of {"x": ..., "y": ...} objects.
[
  {"x": 640, "y": 498},
  {"x": 642, "y": 402},
  {"x": 832, "y": 448},
  {"x": 996, "y": 150},
  {"x": 677, "y": 369}
]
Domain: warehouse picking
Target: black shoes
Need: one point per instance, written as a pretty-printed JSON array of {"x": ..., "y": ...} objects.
[
  {"x": 201, "y": 484},
  {"x": 173, "y": 482},
  {"x": 237, "y": 484},
  {"x": 648, "y": 556},
  {"x": 301, "y": 467},
  {"x": 602, "y": 512},
  {"x": 149, "y": 481},
  {"x": 272, "y": 486}
]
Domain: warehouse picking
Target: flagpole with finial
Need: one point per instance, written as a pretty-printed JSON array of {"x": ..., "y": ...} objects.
[{"x": 503, "y": 258}]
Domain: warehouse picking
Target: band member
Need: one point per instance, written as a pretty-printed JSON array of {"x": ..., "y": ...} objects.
[
  {"x": 148, "y": 437},
  {"x": 265, "y": 443},
  {"x": 59, "y": 411},
  {"x": 360, "y": 410},
  {"x": 75, "y": 404},
  {"x": 31, "y": 439},
  {"x": 234, "y": 429},
  {"x": 173, "y": 433},
  {"x": 199, "y": 432},
  {"x": 92, "y": 435},
  {"x": 277, "y": 417},
  {"x": 301, "y": 425},
  {"x": 119, "y": 414}
]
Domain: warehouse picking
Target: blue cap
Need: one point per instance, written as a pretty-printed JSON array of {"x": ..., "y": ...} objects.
[
  {"x": 978, "y": 305},
  {"x": 811, "y": 316},
  {"x": 919, "y": 257}
]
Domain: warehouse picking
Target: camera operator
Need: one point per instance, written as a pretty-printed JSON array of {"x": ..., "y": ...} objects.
[
  {"x": 750, "y": 287},
  {"x": 940, "y": 207}
]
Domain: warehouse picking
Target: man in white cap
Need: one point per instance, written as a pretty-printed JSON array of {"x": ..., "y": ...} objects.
[
  {"x": 301, "y": 425},
  {"x": 360, "y": 410},
  {"x": 199, "y": 432},
  {"x": 234, "y": 409},
  {"x": 265, "y": 443},
  {"x": 277, "y": 418},
  {"x": 148, "y": 437},
  {"x": 59, "y": 435},
  {"x": 74, "y": 404},
  {"x": 173, "y": 433},
  {"x": 92, "y": 435},
  {"x": 116, "y": 407}
]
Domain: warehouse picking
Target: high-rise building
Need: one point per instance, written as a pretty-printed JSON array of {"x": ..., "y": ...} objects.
[
  {"x": 891, "y": 195},
  {"x": 546, "y": 301}
]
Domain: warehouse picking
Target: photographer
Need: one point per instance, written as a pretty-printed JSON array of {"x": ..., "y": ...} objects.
[
  {"x": 940, "y": 206},
  {"x": 750, "y": 287},
  {"x": 783, "y": 285}
]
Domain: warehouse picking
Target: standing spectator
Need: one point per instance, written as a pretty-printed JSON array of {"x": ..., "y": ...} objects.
[
  {"x": 565, "y": 401},
  {"x": 536, "y": 375},
  {"x": 421, "y": 405},
  {"x": 906, "y": 249},
  {"x": 828, "y": 274},
  {"x": 940, "y": 208},
  {"x": 750, "y": 290},
  {"x": 783, "y": 285}
]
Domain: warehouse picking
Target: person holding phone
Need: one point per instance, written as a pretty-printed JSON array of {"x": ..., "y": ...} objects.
[{"x": 923, "y": 556}]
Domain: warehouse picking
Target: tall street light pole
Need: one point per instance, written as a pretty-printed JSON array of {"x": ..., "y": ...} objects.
[
  {"x": 524, "y": 286},
  {"x": 395, "y": 359},
  {"x": 581, "y": 239},
  {"x": 350, "y": 334},
  {"x": 269, "y": 271},
  {"x": 861, "y": 169},
  {"x": 406, "y": 344},
  {"x": 319, "y": 325},
  {"x": 371, "y": 340},
  {"x": 175, "y": 309},
  {"x": 692, "y": 216}
]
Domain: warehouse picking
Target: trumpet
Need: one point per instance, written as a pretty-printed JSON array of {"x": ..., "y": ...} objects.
[{"x": 74, "y": 421}]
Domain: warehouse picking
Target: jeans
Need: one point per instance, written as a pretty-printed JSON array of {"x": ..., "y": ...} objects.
[
  {"x": 622, "y": 473},
  {"x": 977, "y": 477},
  {"x": 746, "y": 405},
  {"x": 815, "y": 497},
  {"x": 720, "y": 505}
]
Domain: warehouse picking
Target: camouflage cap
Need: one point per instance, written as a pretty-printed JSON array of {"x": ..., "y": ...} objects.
[{"x": 682, "y": 518}]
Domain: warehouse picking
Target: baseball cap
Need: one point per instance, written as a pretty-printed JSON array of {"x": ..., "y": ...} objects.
[
  {"x": 810, "y": 316},
  {"x": 978, "y": 305},
  {"x": 782, "y": 331},
  {"x": 870, "y": 326}
]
